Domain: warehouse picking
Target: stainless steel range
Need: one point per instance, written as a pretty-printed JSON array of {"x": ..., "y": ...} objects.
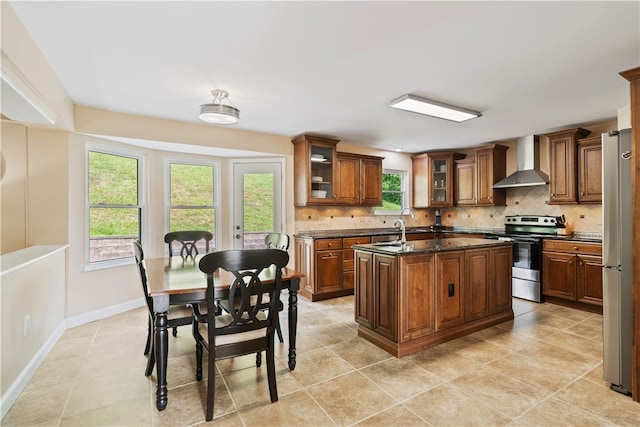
[{"x": 526, "y": 232}]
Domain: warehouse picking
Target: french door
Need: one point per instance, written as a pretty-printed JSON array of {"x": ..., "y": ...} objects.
[{"x": 257, "y": 202}]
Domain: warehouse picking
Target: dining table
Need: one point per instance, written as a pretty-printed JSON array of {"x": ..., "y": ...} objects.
[{"x": 178, "y": 280}]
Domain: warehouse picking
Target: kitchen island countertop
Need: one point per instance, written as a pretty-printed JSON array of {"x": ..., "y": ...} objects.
[{"x": 429, "y": 246}]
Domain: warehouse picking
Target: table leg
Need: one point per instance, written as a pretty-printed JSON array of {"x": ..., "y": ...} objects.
[
  {"x": 293, "y": 325},
  {"x": 161, "y": 343}
]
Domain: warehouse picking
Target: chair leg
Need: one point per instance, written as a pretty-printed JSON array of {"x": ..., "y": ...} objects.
[
  {"x": 258, "y": 359},
  {"x": 149, "y": 332},
  {"x": 211, "y": 383},
  {"x": 279, "y": 332},
  {"x": 198, "y": 361},
  {"x": 152, "y": 359},
  {"x": 175, "y": 331},
  {"x": 271, "y": 373}
]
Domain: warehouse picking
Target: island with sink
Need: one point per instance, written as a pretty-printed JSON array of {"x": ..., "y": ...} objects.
[{"x": 411, "y": 295}]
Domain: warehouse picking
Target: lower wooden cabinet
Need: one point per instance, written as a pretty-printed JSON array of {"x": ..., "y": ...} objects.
[
  {"x": 407, "y": 303},
  {"x": 348, "y": 258},
  {"x": 572, "y": 274}
]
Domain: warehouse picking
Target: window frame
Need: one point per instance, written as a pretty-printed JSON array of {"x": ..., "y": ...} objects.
[
  {"x": 216, "y": 165},
  {"x": 141, "y": 158},
  {"x": 404, "y": 177}
]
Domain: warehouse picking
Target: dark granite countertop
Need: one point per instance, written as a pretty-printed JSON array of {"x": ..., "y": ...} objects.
[
  {"x": 390, "y": 231},
  {"x": 429, "y": 246}
]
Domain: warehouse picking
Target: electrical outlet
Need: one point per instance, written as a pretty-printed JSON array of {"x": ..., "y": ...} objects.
[{"x": 27, "y": 324}]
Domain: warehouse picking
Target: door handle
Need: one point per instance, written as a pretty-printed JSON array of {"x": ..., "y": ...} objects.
[{"x": 237, "y": 236}]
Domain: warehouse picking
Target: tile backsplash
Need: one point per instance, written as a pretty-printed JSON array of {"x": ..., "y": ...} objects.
[{"x": 586, "y": 218}]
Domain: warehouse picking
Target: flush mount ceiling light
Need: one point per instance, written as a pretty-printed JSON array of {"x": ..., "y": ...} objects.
[
  {"x": 427, "y": 107},
  {"x": 219, "y": 111}
]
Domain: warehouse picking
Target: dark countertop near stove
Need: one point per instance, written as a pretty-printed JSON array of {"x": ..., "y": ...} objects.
[
  {"x": 429, "y": 246},
  {"x": 390, "y": 231}
]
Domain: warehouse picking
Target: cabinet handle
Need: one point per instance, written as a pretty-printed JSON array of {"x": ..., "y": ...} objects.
[
  {"x": 570, "y": 262},
  {"x": 582, "y": 193},
  {"x": 452, "y": 289},
  {"x": 553, "y": 195},
  {"x": 575, "y": 248},
  {"x": 581, "y": 263}
]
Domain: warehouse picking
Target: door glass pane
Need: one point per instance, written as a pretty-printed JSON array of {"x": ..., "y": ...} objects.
[{"x": 258, "y": 208}]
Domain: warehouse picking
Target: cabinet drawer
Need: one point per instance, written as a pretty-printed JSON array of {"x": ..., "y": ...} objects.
[
  {"x": 347, "y": 242},
  {"x": 573, "y": 247},
  {"x": 324, "y": 244}
]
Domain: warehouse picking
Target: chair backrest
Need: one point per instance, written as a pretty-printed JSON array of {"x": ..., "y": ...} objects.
[
  {"x": 186, "y": 241},
  {"x": 277, "y": 241},
  {"x": 139, "y": 254},
  {"x": 247, "y": 291}
]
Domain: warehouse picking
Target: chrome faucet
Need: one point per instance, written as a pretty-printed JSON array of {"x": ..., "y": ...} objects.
[{"x": 400, "y": 222}]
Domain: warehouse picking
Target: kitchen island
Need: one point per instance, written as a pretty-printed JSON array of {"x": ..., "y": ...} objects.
[{"x": 419, "y": 294}]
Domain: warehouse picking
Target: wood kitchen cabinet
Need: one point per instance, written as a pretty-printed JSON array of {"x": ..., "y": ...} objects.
[
  {"x": 433, "y": 176},
  {"x": 590, "y": 170},
  {"x": 572, "y": 274},
  {"x": 465, "y": 186},
  {"x": 475, "y": 177},
  {"x": 563, "y": 164},
  {"x": 488, "y": 289},
  {"x": 358, "y": 180},
  {"x": 450, "y": 289},
  {"x": 491, "y": 167},
  {"x": 314, "y": 160},
  {"x": 321, "y": 260},
  {"x": 348, "y": 258},
  {"x": 409, "y": 302}
]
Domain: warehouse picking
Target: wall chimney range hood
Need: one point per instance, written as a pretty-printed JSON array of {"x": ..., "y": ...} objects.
[{"x": 528, "y": 173}]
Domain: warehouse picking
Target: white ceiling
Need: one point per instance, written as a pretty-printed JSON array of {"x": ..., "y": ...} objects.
[{"x": 332, "y": 67}]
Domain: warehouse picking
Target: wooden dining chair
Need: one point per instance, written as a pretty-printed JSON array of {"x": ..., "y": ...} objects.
[
  {"x": 179, "y": 315},
  {"x": 277, "y": 241},
  {"x": 186, "y": 242},
  {"x": 247, "y": 328}
]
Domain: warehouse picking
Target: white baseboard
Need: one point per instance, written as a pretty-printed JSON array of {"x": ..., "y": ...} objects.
[
  {"x": 82, "y": 319},
  {"x": 9, "y": 398}
]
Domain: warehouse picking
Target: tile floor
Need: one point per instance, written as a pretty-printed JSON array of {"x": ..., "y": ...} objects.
[{"x": 544, "y": 368}]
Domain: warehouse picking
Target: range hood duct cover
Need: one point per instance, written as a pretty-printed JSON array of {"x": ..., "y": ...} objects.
[{"x": 528, "y": 173}]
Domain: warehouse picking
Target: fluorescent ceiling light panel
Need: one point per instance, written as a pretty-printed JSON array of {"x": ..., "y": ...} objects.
[{"x": 415, "y": 104}]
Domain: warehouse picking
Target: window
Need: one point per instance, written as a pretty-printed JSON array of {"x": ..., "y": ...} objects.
[
  {"x": 192, "y": 199},
  {"x": 114, "y": 205},
  {"x": 394, "y": 192}
]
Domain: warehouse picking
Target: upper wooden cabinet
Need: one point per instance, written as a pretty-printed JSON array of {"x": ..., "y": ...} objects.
[
  {"x": 314, "y": 160},
  {"x": 491, "y": 167},
  {"x": 563, "y": 159},
  {"x": 358, "y": 180},
  {"x": 475, "y": 177},
  {"x": 322, "y": 176},
  {"x": 433, "y": 176},
  {"x": 590, "y": 170}
]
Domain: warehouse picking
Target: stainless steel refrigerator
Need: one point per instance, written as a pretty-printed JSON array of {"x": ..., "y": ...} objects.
[{"x": 616, "y": 258}]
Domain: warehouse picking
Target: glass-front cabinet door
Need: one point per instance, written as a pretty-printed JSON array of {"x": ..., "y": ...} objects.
[
  {"x": 314, "y": 170},
  {"x": 441, "y": 178}
]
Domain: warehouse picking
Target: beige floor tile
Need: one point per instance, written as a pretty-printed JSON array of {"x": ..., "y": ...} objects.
[
  {"x": 360, "y": 352},
  {"x": 187, "y": 405},
  {"x": 296, "y": 409},
  {"x": 508, "y": 340},
  {"x": 447, "y": 405},
  {"x": 397, "y": 415},
  {"x": 401, "y": 378},
  {"x": 39, "y": 406},
  {"x": 82, "y": 331},
  {"x": 250, "y": 386},
  {"x": 596, "y": 376},
  {"x": 123, "y": 413},
  {"x": 94, "y": 390},
  {"x": 350, "y": 398},
  {"x": 71, "y": 348},
  {"x": 554, "y": 412},
  {"x": 319, "y": 365},
  {"x": 585, "y": 346},
  {"x": 52, "y": 372},
  {"x": 475, "y": 349},
  {"x": 602, "y": 402},
  {"x": 590, "y": 328},
  {"x": 444, "y": 362},
  {"x": 502, "y": 393}
]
